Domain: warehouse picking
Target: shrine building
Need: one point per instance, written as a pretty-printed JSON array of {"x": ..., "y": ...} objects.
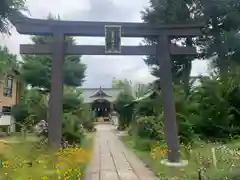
[{"x": 101, "y": 100}]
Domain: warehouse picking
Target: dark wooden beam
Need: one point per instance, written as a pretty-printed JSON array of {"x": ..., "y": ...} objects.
[
  {"x": 50, "y": 22},
  {"x": 25, "y": 25},
  {"x": 56, "y": 96},
  {"x": 170, "y": 124},
  {"x": 100, "y": 50},
  {"x": 177, "y": 50},
  {"x": 139, "y": 30},
  {"x": 180, "y": 32}
]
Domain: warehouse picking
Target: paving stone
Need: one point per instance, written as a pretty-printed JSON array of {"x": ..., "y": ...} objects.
[
  {"x": 92, "y": 176},
  {"x": 94, "y": 168},
  {"x": 127, "y": 175},
  {"x": 109, "y": 175},
  {"x": 113, "y": 161},
  {"x": 107, "y": 166}
]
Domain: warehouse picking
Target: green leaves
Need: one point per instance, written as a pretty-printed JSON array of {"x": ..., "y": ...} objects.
[
  {"x": 8, "y": 61},
  {"x": 36, "y": 70},
  {"x": 217, "y": 106},
  {"x": 211, "y": 111},
  {"x": 74, "y": 71},
  {"x": 219, "y": 40},
  {"x": 31, "y": 109},
  {"x": 170, "y": 12},
  {"x": 125, "y": 112},
  {"x": 222, "y": 25},
  {"x": 72, "y": 132},
  {"x": 7, "y": 7},
  {"x": 71, "y": 102},
  {"x": 125, "y": 85}
]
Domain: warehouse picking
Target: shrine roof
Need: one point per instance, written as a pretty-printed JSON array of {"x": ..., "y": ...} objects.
[
  {"x": 91, "y": 94},
  {"x": 100, "y": 93}
]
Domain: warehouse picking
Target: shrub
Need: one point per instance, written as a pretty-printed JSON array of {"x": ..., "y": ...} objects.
[
  {"x": 219, "y": 112},
  {"x": 149, "y": 107},
  {"x": 72, "y": 129},
  {"x": 31, "y": 109},
  {"x": 124, "y": 112},
  {"x": 211, "y": 111},
  {"x": 226, "y": 175},
  {"x": 152, "y": 126},
  {"x": 20, "y": 113},
  {"x": 87, "y": 119},
  {"x": 143, "y": 144},
  {"x": 89, "y": 125},
  {"x": 149, "y": 127},
  {"x": 30, "y": 162},
  {"x": 158, "y": 151}
]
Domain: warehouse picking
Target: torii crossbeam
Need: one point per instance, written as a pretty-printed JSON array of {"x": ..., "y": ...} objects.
[{"x": 59, "y": 48}]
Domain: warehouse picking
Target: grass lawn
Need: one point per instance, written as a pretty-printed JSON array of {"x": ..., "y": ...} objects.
[
  {"x": 87, "y": 144},
  {"x": 26, "y": 158},
  {"x": 228, "y": 162},
  {"x": 16, "y": 139}
]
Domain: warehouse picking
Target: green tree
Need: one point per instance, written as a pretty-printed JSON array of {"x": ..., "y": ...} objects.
[
  {"x": 71, "y": 101},
  {"x": 31, "y": 109},
  {"x": 140, "y": 89},
  {"x": 169, "y": 12},
  {"x": 36, "y": 69},
  {"x": 126, "y": 113},
  {"x": 125, "y": 85},
  {"x": 220, "y": 39},
  {"x": 7, "y": 8},
  {"x": 8, "y": 62}
]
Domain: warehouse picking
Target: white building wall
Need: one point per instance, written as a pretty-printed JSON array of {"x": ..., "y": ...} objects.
[
  {"x": 8, "y": 120},
  {"x": 115, "y": 120},
  {"x": 5, "y": 120}
]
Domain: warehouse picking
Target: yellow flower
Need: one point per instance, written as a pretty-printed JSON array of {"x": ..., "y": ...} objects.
[
  {"x": 158, "y": 152},
  {"x": 66, "y": 178},
  {"x": 45, "y": 178},
  {"x": 3, "y": 142},
  {"x": 5, "y": 164},
  {"x": 66, "y": 173}
]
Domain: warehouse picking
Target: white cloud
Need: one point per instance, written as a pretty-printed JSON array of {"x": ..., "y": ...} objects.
[
  {"x": 199, "y": 67},
  {"x": 101, "y": 69}
]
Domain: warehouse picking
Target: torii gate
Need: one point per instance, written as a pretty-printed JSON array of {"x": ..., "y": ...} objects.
[{"x": 112, "y": 31}]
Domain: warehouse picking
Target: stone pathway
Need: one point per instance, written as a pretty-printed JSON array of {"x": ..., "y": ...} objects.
[{"x": 112, "y": 161}]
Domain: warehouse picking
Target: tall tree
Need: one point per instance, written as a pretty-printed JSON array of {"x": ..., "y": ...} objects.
[
  {"x": 221, "y": 39},
  {"x": 125, "y": 113},
  {"x": 7, "y": 8},
  {"x": 8, "y": 62},
  {"x": 125, "y": 84},
  {"x": 140, "y": 89},
  {"x": 36, "y": 69},
  {"x": 169, "y": 12}
]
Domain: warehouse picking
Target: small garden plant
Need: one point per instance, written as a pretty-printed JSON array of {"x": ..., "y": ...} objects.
[
  {"x": 25, "y": 160},
  {"x": 208, "y": 128}
]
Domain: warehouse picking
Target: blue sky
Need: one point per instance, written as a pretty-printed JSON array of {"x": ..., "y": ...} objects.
[{"x": 101, "y": 69}]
